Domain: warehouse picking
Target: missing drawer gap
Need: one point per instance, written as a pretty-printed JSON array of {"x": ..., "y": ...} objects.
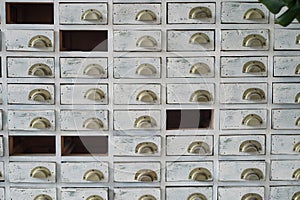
[
  {"x": 189, "y": 119},
  {"x": 75, "y": 40},
  {"x": 31, "y": 145},
  {"x": 29, "y": 13},
  {"x": 84, "y": 145}
]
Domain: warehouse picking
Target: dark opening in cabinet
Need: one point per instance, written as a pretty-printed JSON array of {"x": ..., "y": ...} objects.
[
  {"x": 83, "y": 40},
  {"x": 29, "y": 13}
]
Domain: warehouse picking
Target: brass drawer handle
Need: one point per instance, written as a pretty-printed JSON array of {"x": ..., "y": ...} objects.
[
  {"x": 146, "y": 148},
  {"x": 297, "y": 71},
  {"x": 254, "y": 94},
  {"x": 40, "y": 69},
  {"x": 40, "y": 95},
  {"x": 200, "y": 174},
  {"x": 92, "y": 15},
  {"x": 252, "y": 120},
  {"x": 145, "y": 175},
  {"x": 42, "y": 197},
  {"x": 297, "y": 98},
  {"x": 200, "y": 68},
  {"x": 200, "y": 13},
  {"x": 298, "y": 39},
  {"x": 254, "y": 40},
  {"x": 197, "y": 196},
  {"x": 252, "y": 174},
  {"x": 147, "y": 96},
  {"x": 94, "y": 94},
  {"x": 201, "y": 96},
  {"x": 146, "y": 69},
  {"x": 145, "y": 122},
  {"x": 254, "y": 67},
  {"x": 298, "y": 122},
  {"x": 40, "y": 41},
  {"x": 145, "y": 16},
  {"x": 199, "y": 147},
  {"x": 147, "y": 197},
  {"x": 93, "y": 123},
  {"x": 40, "y": 123},
  {"x": 199, "y": 38},
  {"x": 94, "y": 197},
  {"x": 254, "y": 14},
  {"x": 250, "y": 146},
  {"x": 93, "y": 70},
  {"x": 251, "y": 196},
  {"x": 296, "y": 196},
  {"x": 297, "y": 147},
  {"x": 40, "y": 172},
  {"x": 296, "y": 174},
  {"x": 146, "y": 42},
  {"x": 93, "y": 175}
]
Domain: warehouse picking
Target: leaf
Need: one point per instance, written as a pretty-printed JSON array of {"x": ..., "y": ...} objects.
[
  {"x": 287, "y": 17},
  {"x": 274, "y": 5}
]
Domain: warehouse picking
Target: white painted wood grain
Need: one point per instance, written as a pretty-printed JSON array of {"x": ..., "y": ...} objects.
[
  {"x": 286, "y": 39},
  {"x": 284, "y": 144},
  {"x": 83, "y": 193},
  {"x": 26, "y": 193},
  {"x": 185, "y": 192},
  {"x": 285, "y": 119},
  {"x": 286, "y": 66},
  {"x": 285, "y": 93},
  {"x": 283, "y": 192},
  {"x": 284, "y": 169},
  {"x": 236, "y": 193},
  {"x": 136, "y": 193}
]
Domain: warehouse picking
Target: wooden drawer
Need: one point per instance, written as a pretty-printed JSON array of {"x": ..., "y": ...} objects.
[
  {"x": 286, "y": 93},
  {"x": 286, "y": 66},
  {"x": 287, "y": 39},
  {"x": 1, "y": 146},
  {"x": 241, "y": 193},
  {"x": 285, "y": 170},
  {"x": 285, "y": 144},
  {"x": 286, "y": 119},
  {"x": 137, "y": 193},
  {"x": 282, "y": 192},
  {"x": 2, "y": 172},
  {"x": 84, "y": 193},
  {"x": 2, "y": 193},
  {"x": 188, "y": 193},
  {"x": 32, "y": 193}
]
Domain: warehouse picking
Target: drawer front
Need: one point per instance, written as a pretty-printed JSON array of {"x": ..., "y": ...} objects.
[
  {"x": 190, "y": 145},
  {"x": 190, "y": 93},
  {"x": 242, "y": 171},
  {"x": 2, "y": 172},
  {"x": 245, "y": 40},
  {"x": 32, "y": 172},
  {"x": 29, "y": 40},
  {"x": 30, "y": 94},
  {"x": 196, "y": 40},
  {"x": 137, "y": 172},
  {"x": 137, "y": 40},
  {"x": 83, "y": 67},
  {"x": 188, "y": 192},
  {"x": 2, "y": 193},
  {"x": 137, "y": 14},
  {"x": 243, "y": 119},
  {"x": 287, "y": 39},
  {"x": 191, "y": 67},
  {"x": 84, "y": 120},
  {"x": 132, "y": 68},
  {"x": 189, "y": 171},
  {"x": 30, "y": 193},
  {"x": 83, "y": 13},
  {"x": 242, "y": 145},
  {"x": 286, "y": 66},
  {"x": 137, "y": 146},
  {"x": 244, "y": 13},
  {"x": 285, "y": 170},
  {"x": 285, "y": 144},
  {"x": 244, "y": 67},
  {"x": 1, "y": 125},
  {"x": 137, "y": 94},
  {"x": 137, "y": 193},
  {"x": 25, "y": 120},
  {"x": 238, "y": 193},
  {"x": 19, "y": 67},
  {"x": 191, "y": 13},
  {"x": 1, "y": 95},
  {"x": 286, "y": 119},
  {"x": 286, "y": 93},
  {"x": 83, "y": 193},
  {"x": 84, "y": 94},
  {"x": 87, "y": 172},
  {"x": 284, "y": 192},
  {"x": 254, "y": 93},
  {"x": 1, "y": 146},
  {"x": 137, "y": 120}
]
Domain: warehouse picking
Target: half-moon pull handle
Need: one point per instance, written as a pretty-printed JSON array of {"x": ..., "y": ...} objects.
[
  {"x": 40, "y": 95},
  {"x": 197, "y": 196},
  {"x": 251, "y": 196},
  {"x": 298, "y": 39},
  {"x": 298, "y": 122},
  {"x": 254, "y": 14},
  {"x": 147, "y": 197},
  {"x": 297, "y": 70},
  {"x": 147, "y": 96},
  {"x": 297, "y": 147},
  {"x": 254, "y": 67},
  {"x": 296, "y": 174},
  {"x": 40, "y": 69},
  {"x": 254, "y": 94},
  {"x": 95, "y": 70},
  {"x": 296, "y": 196},
  {"x": 94, "y": 94},
  {"x": 145, "y": 175},
  {"x": 250, "y": 146},
  {"x": 145, "y": 122},
  {"x": 94, "y": 197},
  {"x": 145, "y": 16},
  {"x": 93, "y": 175},
  {"x": 93, "y": 123},
  {"x": 200, "y": 174},
  {"x": 252, "y": 120},
  {"x": 199, "y": 147},
  {"x": 146, "y": 148},
  {"x": 200, "y": 13},
  {"x": 92, "y": 15},
  {"x": 40, "y": 41},
  {"x": 200, "y": 68},
  {"x": 201, "y": 96},
  {"x": 199, "y": 38},
  {"x": 40, "y": 123},
  {"x": 40, "y": 172},
  {"x": 146, "y": 69},
  {"x": 297, "y": 98},
  {"x": 146, "y": 42},
  {"x": 42, "y": 197},
  {"x": 255, "y": 41},
  {"x": 252, "y": 174}
]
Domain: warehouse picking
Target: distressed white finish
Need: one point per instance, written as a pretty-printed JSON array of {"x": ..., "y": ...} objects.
[
  {"x": 127, "y": 67},
  {"x": 286, "y": 93},
  {"x": 180, "y": 67},
  {"x": 126, "y": 145},
  {"x": 1, "y": 94},
  {"x": 126, "y": 40},
  {"x": 232, "y": 93},
  {"x": 179, "y": 40},
  {"x": 2, "y": 193},
  {"x": 285, "y": 118},
  {"x": 185, "y": 192},
  {"x": 19, "y": 172},
  {"x": 284, "y": 169},
  {"x": 283, "y": 192},
  {"x": 230, "y": 145},
  {"x": 125, "y": 171},
  {"x": 74, "y": 119},
  {"x": 136, "y": 193},
  {"x": 70, "y": 13},
  {"x": 126, "y": 13},
  {"x": 236, "y": 193},
  {"x": 73, "y": 172},
  {"x": 233, "y": 66},
  {"x": 288, "y": 39},
  {"x": 178, "y": 13},
  {"x": 233, "y": 39},
  {"x": 83, "y": 193},
  {"x": 2, "y": 172},
  {"x": 31, "y": 193},
  {"x": 284, "y": 144},
  {"x": 18, "y": 40},
  {"x": 75, "y": 94},
  {"x": 1, "y": 120},
  {"x": 1, "y": 146},
  {"x": 179, "y": 171},
  {"x": 286, "y": 65},
  {"x": 20, "y": 119},
  {"x": 75, "y": 67},
  {"x": 232, "y": 119},
  {"x": 232, "y": 170}
]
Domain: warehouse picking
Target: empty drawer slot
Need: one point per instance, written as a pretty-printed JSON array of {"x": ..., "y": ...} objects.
[
  {"x": 75, "y": 40},
  {"x": 84, "y": 145},
  {"x": 189, "y": 119},
  {"x": 39, "y": 145},
  {"x": 29, "y": 13}
]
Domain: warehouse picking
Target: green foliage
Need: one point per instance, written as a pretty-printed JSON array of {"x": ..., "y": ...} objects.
[{"x": 293, "y": 11}]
